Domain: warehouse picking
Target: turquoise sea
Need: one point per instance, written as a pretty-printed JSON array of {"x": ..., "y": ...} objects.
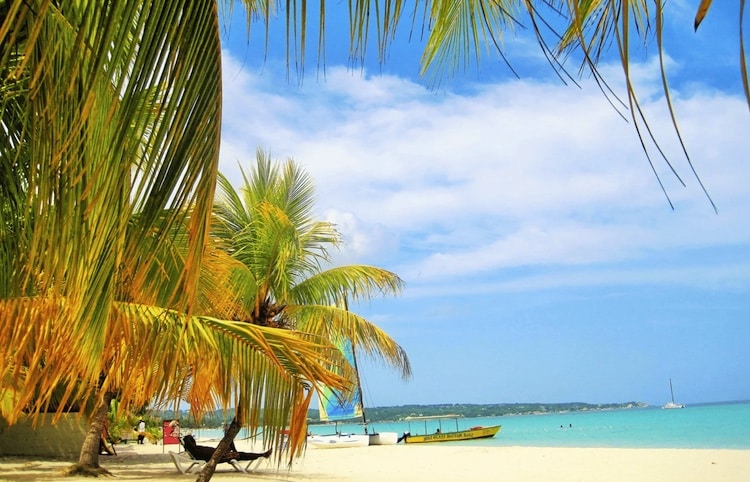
[{"x": 709, "y": 426}]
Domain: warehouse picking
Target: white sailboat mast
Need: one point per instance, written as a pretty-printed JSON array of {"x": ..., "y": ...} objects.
[
  {"x": 670, "y": 389},
  {"x": 356, "y": 372}
]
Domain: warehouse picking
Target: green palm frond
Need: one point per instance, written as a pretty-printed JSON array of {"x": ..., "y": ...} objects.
[
  {"x": 595, "y": 23},
  {"x": 218, "y": 364},
  {"x": 269, "y": 228},
  {"x": 460, "y": 30},
  {"x": 335, "y": 323},
  {"x": 359, "y": 282},
  {"x": 100, "y": 124}
]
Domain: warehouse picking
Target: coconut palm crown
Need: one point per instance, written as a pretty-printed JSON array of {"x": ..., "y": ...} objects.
[{"x": 285, "y": 279}]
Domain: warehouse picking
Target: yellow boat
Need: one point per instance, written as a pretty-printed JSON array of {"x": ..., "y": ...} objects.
[{"x": 439, "y": 435}]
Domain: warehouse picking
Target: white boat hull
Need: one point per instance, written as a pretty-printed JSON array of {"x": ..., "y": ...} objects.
[
  {"x": 384, "y": 438},
  {"x": 338, "y": 441},
  {"x": 670, "y": 405}
]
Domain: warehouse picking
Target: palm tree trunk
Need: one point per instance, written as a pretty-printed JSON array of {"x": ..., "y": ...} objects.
[
  {"x": 88, "y": 459},
  {"x": 209, "y": 469}
]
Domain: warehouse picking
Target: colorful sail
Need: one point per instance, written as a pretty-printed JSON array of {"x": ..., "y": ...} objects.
[{"x": 336, "y": 405}]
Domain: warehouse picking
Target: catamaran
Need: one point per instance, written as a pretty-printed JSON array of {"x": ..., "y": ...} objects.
[
  {"x": 334, "y": 406},
  {"x": 672, "y": 404}
]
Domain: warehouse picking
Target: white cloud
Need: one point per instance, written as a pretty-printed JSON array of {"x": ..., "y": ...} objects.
[
  {"x": 361, "y": 242},
  {"x": 516, "y": 174}
]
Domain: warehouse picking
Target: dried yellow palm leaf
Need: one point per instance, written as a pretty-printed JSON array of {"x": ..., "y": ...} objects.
[
  {"x": 701, "y": 13},
  {"x": 743, "y": 58}
]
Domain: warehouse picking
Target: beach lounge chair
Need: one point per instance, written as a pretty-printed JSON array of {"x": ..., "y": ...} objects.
[
  {"x": 201, "y": 454},
  {"x": 185, "y": 463}
]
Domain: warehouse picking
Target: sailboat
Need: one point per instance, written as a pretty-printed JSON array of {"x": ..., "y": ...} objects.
[
  {"x": 672, "y": 404},
  {"x": 334, "y": 406}
]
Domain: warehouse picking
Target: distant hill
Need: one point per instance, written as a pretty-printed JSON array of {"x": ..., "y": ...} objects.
[
  {"x": 402, "y": 412},
  {"x": 385, "y": 414}
]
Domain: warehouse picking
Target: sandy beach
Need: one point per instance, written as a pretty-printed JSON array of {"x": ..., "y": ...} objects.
[{"x": 426, "y": 463}]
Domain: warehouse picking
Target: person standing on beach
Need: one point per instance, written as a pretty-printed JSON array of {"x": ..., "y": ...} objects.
[
  {"x": 175, "y": 426},
  {"x": 141, "y": 428}
]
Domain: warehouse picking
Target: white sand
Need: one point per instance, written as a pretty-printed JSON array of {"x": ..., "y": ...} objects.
[{"x": 427, "y": 463}]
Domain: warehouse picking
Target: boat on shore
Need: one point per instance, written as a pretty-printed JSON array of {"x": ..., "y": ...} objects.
[
  {"x": 339, "y": 440},
  {"x": 672, "y": 404},
  {"x": 440, "y": 435},
  {"x": 335, "y": 406},
  {"x": 383, "y": 438}
]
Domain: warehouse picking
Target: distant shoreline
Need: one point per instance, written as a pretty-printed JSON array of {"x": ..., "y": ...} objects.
[
  {"x": 468, "y": 410},
  {"x": 398, "y": 413}
]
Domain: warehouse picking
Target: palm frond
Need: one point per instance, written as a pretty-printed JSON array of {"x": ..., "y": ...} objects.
[
  {"x": 336, "y": 323},
  {"x": 218, "y": 363},
  {"x": 460, "y": 30},
  {"x": 358, "y": 282},
  {"x": 700, "y": 14},
  {"x": 90, "y": 153}
]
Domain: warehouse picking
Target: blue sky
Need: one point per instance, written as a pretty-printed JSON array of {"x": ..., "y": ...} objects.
[{"x": 542, "y": 262}]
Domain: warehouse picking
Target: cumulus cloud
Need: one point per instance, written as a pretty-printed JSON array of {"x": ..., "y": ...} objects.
[{"x": 438, "y": 185}]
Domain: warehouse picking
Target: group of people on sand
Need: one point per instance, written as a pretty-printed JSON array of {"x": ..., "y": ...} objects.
[{"x": 106, "y": 446}]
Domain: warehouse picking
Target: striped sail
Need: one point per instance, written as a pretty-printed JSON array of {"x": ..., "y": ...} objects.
[{"x": 336, "y": 405}]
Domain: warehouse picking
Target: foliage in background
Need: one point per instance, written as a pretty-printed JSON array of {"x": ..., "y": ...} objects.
[{"x": 473, "y": 410}]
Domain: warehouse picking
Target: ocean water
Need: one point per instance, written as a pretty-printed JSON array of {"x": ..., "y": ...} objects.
[{"x": 711, "y": 426}]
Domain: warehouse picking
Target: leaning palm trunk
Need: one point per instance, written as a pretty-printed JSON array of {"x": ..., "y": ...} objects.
[
  {"x": 88, "y": 460},
  {"x": 208, "y": 470}
]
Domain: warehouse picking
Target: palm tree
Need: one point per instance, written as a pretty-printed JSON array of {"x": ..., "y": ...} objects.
[
  {"x": 109, "y": 150},
  {"x": 283, "y": 278},
  {"x": 76, "y": 110},
  {"x": 80, "y": 155},
  {"x": 286, "y": 279}
]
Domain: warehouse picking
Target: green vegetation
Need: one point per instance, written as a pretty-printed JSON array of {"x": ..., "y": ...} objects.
[
  {"x": 384, "y": 414},
  {"x": 401, "y": 412},
  {"x": 215, "y": 419}
]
